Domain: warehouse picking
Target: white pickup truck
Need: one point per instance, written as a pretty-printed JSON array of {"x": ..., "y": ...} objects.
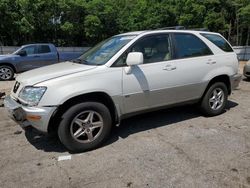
[{"x": 125, "y": 75}]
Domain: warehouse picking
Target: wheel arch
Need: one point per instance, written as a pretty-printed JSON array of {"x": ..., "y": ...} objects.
[
  {"x": 101, "y": 97},
  {"x": 10, "y": 65},
  {"x": 220, "y": 78}
]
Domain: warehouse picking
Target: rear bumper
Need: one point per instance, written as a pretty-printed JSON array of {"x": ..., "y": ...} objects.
[
  {"x": 23, "y": 114},
  {"x": 235, "y": 81}
]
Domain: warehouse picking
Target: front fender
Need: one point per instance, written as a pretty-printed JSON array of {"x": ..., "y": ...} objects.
[
  {"x": 64, "y": 88},
  {"x": 11, "y": 64}
]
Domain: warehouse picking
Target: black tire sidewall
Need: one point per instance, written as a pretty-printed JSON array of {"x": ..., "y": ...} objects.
[
  {"x": 205, "y": 106},
  {"x": 12, "y": 72},
  {"x": 64, "y": 127}
]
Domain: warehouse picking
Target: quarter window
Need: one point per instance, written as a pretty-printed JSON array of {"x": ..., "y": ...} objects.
[
  {"x": 218, "y": 41},
  {"x": 188, "y": 45}
]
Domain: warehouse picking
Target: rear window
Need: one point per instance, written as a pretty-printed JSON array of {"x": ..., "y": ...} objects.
[
  {"x": 218, "y": 41},
  {"x": 43, "y": 49}
]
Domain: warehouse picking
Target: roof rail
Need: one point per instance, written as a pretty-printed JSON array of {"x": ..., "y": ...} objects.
[
  {"x": 182, "y": 28},
  {"x": 199, "y": 29},
  {"x": 172, "y": 28}
]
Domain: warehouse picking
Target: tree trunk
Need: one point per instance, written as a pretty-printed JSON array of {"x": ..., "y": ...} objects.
[
  {"x": 248, "y": 36},
  {"x": 237, "y": 30},
  {"x": 229, "y": 31}
]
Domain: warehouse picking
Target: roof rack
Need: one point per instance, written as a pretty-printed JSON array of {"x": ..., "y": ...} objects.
[
  {"x": 172, "y": 28},
  {"x": 200, "y": 29},
  {"x": 182, "y": 28}
]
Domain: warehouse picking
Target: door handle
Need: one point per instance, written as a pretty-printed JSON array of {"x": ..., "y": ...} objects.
[{"x": 169, "y": 68}]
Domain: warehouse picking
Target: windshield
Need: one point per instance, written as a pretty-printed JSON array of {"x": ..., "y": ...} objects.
[
  {"x": 104, "y": 51},
  {"x": 16, "y": 52}
]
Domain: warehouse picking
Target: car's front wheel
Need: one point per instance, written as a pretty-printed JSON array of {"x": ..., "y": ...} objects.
[
  {"x": 6, "y": 72},
  {"x": 215, "y": 99},
  {"x": 85, "y": 126}
]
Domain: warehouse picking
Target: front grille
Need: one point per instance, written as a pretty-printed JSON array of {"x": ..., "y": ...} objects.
[
  {"x": 16, "y": 86},
  {"x": 247, "y": 73}
]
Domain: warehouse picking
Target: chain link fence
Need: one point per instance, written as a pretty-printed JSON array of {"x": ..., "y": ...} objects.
[{"x": 243, "y": 52}]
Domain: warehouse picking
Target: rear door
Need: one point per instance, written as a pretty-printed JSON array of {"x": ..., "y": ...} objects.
[
  {"x": 193, "y": 60},
  {"x": 46, "y": 55}
]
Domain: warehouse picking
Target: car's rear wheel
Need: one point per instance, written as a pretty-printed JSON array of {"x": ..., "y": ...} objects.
[
  {"x": 215, "y": 99},
  {"x": 85, "y": 126},
  {"x": 6, "y": 72}
]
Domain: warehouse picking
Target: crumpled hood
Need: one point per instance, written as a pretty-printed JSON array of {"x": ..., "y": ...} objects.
[{"x": 52, "y": 71}]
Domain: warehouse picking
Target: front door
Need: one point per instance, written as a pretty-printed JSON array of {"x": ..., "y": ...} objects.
[
  {"x": 31, "y": 60},
  {"x": 146, "y": 85}
]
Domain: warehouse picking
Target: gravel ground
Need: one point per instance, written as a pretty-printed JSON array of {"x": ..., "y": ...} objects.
[{"x": 170, "y": 148}]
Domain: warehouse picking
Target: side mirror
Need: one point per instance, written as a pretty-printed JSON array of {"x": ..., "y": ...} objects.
[
  {"x": 22, "y": 53},
  {"x": 134, "y": 58}
]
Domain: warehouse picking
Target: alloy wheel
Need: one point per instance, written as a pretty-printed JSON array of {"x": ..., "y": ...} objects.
[
  {"x": 216, "y": 99},
  {"x": 5, "y": 73},
  {"x": 86, "y": 126}
]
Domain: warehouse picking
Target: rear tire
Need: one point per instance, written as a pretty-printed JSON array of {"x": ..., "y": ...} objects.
[
  {"x": 85, "y": 126},
  {"x": 215, "y": 99},
  {"x": 6, "y": 73}
]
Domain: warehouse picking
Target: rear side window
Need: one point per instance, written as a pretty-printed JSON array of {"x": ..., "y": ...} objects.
[
  {"x": 188, "y": 45},
  {"x": 218, "y": 41},
  {"x": 43, "y": 49}
]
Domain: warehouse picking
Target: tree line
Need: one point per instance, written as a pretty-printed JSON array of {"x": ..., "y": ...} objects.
[{"x": 85, "y": 22}]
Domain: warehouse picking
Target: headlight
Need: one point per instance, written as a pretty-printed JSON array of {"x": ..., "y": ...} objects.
[
  {"x": 31, "y": 95},
  {"x": 248, "y": 63}
]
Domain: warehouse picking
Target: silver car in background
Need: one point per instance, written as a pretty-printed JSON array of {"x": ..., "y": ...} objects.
[{"x": 246, "y": 70}]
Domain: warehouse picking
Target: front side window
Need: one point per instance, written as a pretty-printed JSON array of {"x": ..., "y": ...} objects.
[
  {"x": 30, "y": 50},
  {"x": 218, "y": 41},
  {"x": 104, "y": 51},
  {"x": 188, "y": 45},
  {"x": 42, "y": 49},
  {"x": 155, "y": 48}
]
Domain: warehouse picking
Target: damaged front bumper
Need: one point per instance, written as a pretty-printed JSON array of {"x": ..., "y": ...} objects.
[{"x": 37, "y": 117}]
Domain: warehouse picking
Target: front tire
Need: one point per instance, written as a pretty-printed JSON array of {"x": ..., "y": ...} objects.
[
  {"x": 215, "y": 99},
  {"x": 6, "y": 73},
  {"x": 85, "y": 126}
]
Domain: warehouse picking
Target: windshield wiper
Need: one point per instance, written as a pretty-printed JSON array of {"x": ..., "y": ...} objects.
[
  {"x": 85, "y": 62},
  {"x": 80, "y": 61}
]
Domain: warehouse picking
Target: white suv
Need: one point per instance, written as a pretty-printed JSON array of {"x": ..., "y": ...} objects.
[{"x": 125, "y": 75}]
